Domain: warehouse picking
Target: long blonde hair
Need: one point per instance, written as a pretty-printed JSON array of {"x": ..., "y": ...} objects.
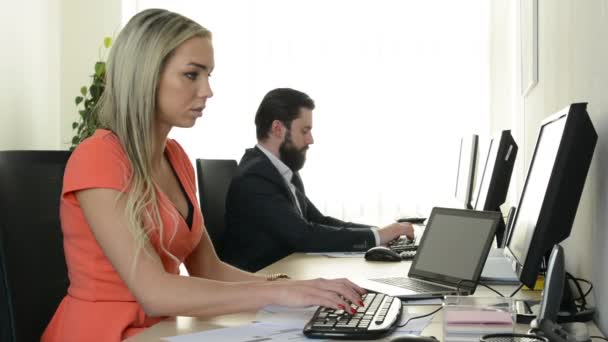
[{"x": 128, "y": 106}]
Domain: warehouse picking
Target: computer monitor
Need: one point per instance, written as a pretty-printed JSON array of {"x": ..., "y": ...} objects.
[
  {"x": 552, "y": 190},
  {"x": 496, "y": 177},
  {"x": 465, "y": 176}
]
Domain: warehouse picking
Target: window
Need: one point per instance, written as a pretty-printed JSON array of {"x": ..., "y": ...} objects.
[{"x": 396, "y": 84}]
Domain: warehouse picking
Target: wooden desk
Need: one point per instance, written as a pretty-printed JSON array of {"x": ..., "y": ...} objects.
[{"x": 302, "y": 266}]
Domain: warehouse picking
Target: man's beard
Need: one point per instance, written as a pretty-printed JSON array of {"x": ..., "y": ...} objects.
[{"x": 289, "y": 154}]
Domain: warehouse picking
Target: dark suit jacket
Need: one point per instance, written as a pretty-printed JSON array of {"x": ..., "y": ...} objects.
[{"x": 263, "y": 224}]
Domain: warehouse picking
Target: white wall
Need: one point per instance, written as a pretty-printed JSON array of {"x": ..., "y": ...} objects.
[
  {"x": 504, "y": 104},
  {"x": 83, "y": 27},
  {"x": 30, "y": 73},
  {"x": 48, "y": 50},
  {"x": 572, "y": 68}
]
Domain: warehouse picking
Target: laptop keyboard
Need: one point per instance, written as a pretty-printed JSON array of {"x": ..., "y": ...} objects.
[
  {"x": 378, "y": 316},
  {"x": 413, "y": 284}
]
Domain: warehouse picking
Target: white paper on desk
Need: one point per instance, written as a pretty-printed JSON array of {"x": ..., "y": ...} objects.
[
  {"x": 414, "y": 326},
  {"x": 255, "y": 332},
  {"x": 339, "y": 254},
  {"x": 280, "y": 314}
]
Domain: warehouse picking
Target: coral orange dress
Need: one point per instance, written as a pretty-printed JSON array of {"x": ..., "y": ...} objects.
[{"x": 98, "y": 305}]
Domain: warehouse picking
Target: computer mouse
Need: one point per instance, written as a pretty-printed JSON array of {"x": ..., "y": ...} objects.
[
  {"x": 381, "y": 253},
  {"x": 414, "y": 338}
]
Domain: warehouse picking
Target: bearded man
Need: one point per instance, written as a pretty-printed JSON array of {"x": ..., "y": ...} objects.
[{"x": 268, "y": 215}]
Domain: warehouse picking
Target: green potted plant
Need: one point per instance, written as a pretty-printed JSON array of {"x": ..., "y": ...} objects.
[{"x": 86, "y": 102}]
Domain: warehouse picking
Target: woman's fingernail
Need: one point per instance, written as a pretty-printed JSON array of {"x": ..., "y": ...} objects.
[
  {"x": 361, "y": 303},
  {"x": 341, "y": 306},
  {"x": 353, "y": 311}
]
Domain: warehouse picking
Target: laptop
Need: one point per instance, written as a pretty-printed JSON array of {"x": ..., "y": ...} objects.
[{"x": 451, "y": 255}]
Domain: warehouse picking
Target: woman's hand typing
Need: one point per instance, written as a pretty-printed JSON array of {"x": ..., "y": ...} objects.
[{"x": 332, "y": 293}]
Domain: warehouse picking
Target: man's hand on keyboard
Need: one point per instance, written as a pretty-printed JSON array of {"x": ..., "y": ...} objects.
[
  {"x": 331, "y": 293},
  {"x": 393, "y": 231}
]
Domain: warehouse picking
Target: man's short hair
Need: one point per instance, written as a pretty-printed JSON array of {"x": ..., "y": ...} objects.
[{"x": 281, "y": 104}]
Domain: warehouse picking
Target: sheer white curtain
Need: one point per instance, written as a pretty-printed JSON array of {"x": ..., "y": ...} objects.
[{"x": 396, "y": 83}]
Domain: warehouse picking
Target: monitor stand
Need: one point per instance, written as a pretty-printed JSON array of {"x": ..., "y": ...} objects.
[
  {"x": 527, "y": 310},
  {"x": 555, "y": 300}
]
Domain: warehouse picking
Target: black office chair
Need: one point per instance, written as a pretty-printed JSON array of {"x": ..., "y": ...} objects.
[
  {"x": 33, "y": 274},
  {"x": 214, "y": 176}
]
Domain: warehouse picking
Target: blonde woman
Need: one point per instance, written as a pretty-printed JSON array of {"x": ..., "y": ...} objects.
[{"x": 129, "y": 212}]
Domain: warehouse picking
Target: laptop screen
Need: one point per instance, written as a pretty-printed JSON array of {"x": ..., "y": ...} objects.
[{"x": 454, "y": 246}]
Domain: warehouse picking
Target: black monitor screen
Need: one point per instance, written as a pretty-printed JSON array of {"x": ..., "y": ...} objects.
[
  {"x": 497, "y": 171},
  {"x": 552, "y": 190},
  {"x": 536, "y": 186},
  {"x": 496, "y": 177}
]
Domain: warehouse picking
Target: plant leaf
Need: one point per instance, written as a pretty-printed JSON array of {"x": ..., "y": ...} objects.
[
  {"x": 95, "y": 91},
  {"x": 89, "y": 121},
  {"x": 100, "y": 68}
]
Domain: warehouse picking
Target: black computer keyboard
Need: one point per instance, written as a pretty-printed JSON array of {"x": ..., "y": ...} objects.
[
  {"x": 402, "y": 244},
  {"x": 378, "y": 316},
  {"x": 408, "y": 255}
]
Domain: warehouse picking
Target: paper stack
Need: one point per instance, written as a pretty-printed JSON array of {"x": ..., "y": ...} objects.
[
  {"x": 465, "y": 325},
  {"x": 467, "y": 319}
]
